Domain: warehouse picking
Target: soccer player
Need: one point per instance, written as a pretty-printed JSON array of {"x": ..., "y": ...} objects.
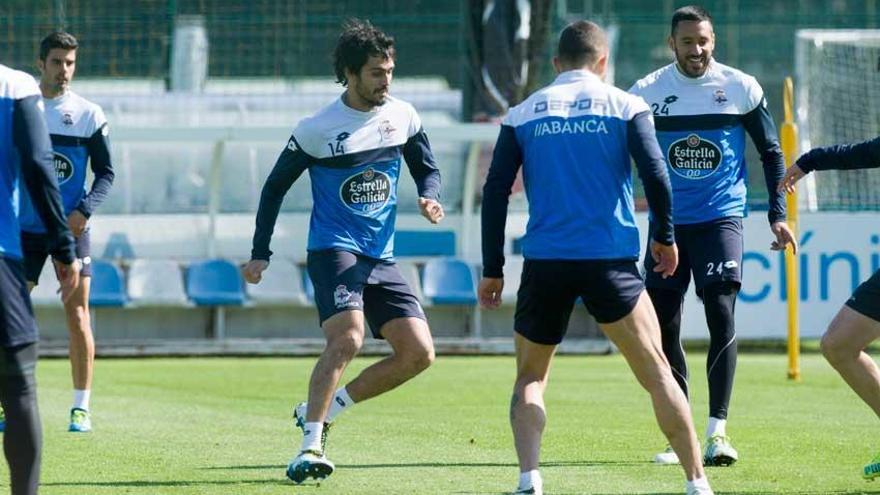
[
  {"x": 25, "y": 153},
  {"x": 857, "y": 324},
  {"x": 79, "y": 135},
  {"x": 574, "y": 139},
  {"x": 352, "y": 149},
  {"x": 702, "y": 111}
]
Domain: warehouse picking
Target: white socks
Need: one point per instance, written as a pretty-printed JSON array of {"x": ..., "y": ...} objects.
[
  {"x": 312, "y": 436},
  {"x": 81, "y": 399},
  {"x": 701, "y": 483},
  {"x": 531, "y": 479},
  {"x": 340, "y": 402},
  {"x": 312, "y": 431},
  {"x": 716, "y": 427}
]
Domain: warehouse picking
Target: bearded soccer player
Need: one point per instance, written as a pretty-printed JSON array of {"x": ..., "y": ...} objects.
[
  {"x": 352, "y": 149},
  {"x": 79, "y": 135},
  {"x": 703, "y": 111},
  {"x": 25, "y": 154},
  {"x": 857, "y": 324}
]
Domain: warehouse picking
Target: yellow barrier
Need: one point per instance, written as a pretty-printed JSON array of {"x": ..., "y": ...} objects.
[{"x": 789, "y": 134}]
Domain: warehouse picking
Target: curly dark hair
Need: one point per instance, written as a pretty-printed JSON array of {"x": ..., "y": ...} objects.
[{"x": 358, "y": 42}]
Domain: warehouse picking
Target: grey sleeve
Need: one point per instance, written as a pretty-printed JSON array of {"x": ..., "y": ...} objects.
[
  {"x": 643, "y": 146},
  {"x": 506, "y": 161},
  {"x": 842, "y": 157},
  {"x": 759, "y": 124},
  {"x": 289, "y": 166},
  {"x": 99, "y": 159},
  {"x": 422, "y": 165}
]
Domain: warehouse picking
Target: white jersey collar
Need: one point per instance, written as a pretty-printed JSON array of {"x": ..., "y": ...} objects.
[
  {"x": 340, "y": 103},
  {"x": 58, "y": 99},
  {"x": 576, "y": 75}
]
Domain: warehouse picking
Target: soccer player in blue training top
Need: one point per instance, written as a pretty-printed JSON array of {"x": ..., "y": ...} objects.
[
  {"x": 79, "y": 133},
  {"x": 352, "y": 149},
  {"x": 574, "y": 139},
  {"x": 857, "y": 324},
  {"x": 703, "y": 111},
  {"x": 25, "y": 153}
]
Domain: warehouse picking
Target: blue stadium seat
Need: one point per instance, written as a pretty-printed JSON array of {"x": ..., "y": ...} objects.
[
  {"x": 449, "y": 281},
  {"x": 156, "y": 282},
  {"x": 214, "y": 283},
  {"x": 424, "y": 243},
  {"x": 281, "y": 285},
  {"x": 107, "y": 286}
]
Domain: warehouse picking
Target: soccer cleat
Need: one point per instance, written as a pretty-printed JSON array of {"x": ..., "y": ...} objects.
[
  {"x": 667, "y": 457},
  {"x": 309, "y": 464},
  {"x": 299, "y": 418},
  {"x": 719, "y": 452},
  {"x": 2, "y": 420},
  {"x": 80, "y": 420},
  {"x": 528, "y": 491},
  {"x": 872, "y": 470}
]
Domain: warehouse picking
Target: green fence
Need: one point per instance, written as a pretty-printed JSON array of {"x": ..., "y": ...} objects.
[{"x": 290, "y": 39}]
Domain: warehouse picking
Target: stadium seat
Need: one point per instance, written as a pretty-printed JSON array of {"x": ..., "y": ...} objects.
[
  {"x": 281, "y": 284},
  {"x": 448, "y": 281},
  {"x": 46, "y": 292},
  {"x": 410, "y": 273},
  {"x": 108, "y": 285},
  {"x": 424, "y": 243},
  {"x": 214, "y": 282},
  {"x": 513, "y": 268},
  {"x": 156, "y": 283}
]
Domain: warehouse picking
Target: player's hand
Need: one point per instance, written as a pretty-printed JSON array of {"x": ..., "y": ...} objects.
[
  {"x": 68, "y": 276},
  {"x": 489, "y": 292},
  {"x": 666, "y": 258},
  {"x": 784, "y": 237},
  {"x": 792, "y": 175},
  {"x": 253, "y": 270},
  {"x": 431, "y": 209},
  {"x": 77, "y": 222}
]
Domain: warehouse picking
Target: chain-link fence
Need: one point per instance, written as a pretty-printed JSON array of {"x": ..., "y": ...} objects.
[{"x": 267, "y": 62}]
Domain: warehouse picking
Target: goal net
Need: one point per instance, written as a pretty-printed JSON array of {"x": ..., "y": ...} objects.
[{"x": 838, "y": 101}]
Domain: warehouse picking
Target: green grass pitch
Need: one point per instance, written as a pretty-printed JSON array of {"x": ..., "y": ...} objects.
[{"x": 222, "y": 426}]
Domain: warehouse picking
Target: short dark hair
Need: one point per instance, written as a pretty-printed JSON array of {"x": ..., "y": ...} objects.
[
  {"x": 58, "y": 39},
  {"x": 358, "y": 42},
  {"x": 582, "y": 43},
  {"x": 690, "y": 13}
]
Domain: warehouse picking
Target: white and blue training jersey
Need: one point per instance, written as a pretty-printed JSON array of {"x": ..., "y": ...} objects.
[
  {"x": 354, "y": 161},
  {"x": 25, "y": 157},
  {"x": 574, "y": 139},
  {"x": 701, "y": 126},
  {"x": 79, "y": 132}
]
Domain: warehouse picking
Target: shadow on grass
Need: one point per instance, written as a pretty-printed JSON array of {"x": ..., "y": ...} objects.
[
  {"x": 791, "y": 492},
  {"x": 794, "y": 491},
  {"x": 549, "y": 464},
  {"x": 181, "y": 483}
]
